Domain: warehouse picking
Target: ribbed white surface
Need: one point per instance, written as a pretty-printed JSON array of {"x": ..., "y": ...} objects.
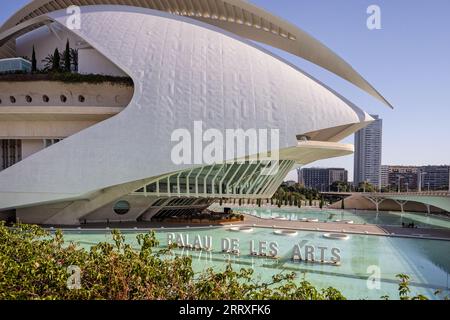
[{"x": 183, "y": 71}]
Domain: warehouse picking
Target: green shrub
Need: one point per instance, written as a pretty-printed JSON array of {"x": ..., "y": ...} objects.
[
  {"x": 66, "y": 77},
  {"x": 34, "y": 262}
]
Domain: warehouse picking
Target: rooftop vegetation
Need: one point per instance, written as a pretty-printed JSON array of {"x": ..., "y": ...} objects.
[
  {"x": 65, "y": 77},
  {"x": 62, "y": 67}
]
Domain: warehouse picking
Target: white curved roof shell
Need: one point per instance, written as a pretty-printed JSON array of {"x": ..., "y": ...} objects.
[
  {"x": 183, "y": 70},
  {"x": 237, "y": 16}
]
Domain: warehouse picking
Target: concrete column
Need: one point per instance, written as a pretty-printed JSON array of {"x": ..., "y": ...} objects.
[
  {"x": 401, "y": 203},
  {"x": 377, "y": 201}
]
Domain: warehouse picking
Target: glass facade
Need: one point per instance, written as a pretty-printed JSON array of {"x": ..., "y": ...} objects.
[
  {"x": 247, "y": 179},
  {"x": 14, "y": 65},
  {"x": 11, "y": 152}
]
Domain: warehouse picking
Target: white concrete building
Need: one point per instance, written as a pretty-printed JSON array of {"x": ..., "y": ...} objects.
[{"x": 80, "y": 153}]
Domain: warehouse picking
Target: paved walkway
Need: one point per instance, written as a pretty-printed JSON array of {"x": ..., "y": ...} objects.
[
  {"x": 351, "y": 228},
  {"x": 419, "y": 232},
  {"x": 317, "y": 226}
]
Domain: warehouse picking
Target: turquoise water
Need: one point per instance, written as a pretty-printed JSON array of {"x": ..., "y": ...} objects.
[
  {"x": 427, "y": 262},
  {"x": 386, "y": 218}
]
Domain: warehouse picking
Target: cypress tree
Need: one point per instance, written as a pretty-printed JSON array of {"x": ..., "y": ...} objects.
[
  {"x": 33, "y": 61},
  {"x": 67, "y": 57},
  {"x": 56, "y": 61}
]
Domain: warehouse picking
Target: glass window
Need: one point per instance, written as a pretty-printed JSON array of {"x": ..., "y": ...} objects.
[{"x": 121, "y": 207}]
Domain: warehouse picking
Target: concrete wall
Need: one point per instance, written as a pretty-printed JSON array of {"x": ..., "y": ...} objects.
[
  {"x": 38, "y": 213},
  {"x": 91, "y": 61},
  {"x": 55, "y": 119},
  {"x": 138, "y": 204},
  {"x": 41, "y": 129},
  {"x": 30, "y": 146},
  {"x": 101, "y": 95}
]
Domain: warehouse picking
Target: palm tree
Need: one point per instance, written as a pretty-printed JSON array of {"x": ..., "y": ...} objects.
[
  {"x": 52, "y": 62},
  {"x": 74, "y": 58},
  {"x": 48, "y": 62}
]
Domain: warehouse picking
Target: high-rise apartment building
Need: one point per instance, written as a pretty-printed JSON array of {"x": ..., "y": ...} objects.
[{"x": 367, "y": 161}]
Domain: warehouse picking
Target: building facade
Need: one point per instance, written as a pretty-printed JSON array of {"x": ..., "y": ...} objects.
[
  {"x": 435, "y": 177},
  {"x": 384, "y": 176},
  {"x": 403, "y": 178},
  {"x": 415, "y": 178},
  {"x": 368, "y": 151},
  {"x": 96, "y": 152},
  {"x": 321, "y": 178}
]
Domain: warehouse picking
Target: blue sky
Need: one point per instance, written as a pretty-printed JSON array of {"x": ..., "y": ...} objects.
[{"x": 408, "y": 61}]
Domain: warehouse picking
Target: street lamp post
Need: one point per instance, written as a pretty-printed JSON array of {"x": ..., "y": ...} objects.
[{"x": 421, "y": 180}]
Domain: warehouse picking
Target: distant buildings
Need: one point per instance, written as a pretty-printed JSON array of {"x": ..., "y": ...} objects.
[
  {"x": 415, "y": 178},
  {"x": 367, "y": 160},
  {"x": 321, "y": 178},
  {"x": 435, "y": 177},
  {"x": 384, "y": 176},
  {"x": 404, "y": 176}
]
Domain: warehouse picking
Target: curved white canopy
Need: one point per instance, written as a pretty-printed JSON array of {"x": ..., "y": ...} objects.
[{"x": 236, "y": 16}]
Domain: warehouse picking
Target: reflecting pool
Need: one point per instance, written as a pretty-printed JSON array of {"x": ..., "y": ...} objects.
[
  {"x": 387, "y": 218},
  {"x": 427, "y": 262}
]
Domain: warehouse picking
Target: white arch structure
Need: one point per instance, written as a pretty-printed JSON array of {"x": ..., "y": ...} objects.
[
  {"x": 183, "y": 70},
  {"x": 237, "y": 16}
]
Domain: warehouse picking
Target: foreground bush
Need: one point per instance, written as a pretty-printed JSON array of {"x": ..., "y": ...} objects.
[{"x": 34, "y": 265}]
